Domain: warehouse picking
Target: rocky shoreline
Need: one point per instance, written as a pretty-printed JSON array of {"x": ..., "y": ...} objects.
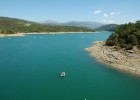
[{"x": 123, "y": 60}]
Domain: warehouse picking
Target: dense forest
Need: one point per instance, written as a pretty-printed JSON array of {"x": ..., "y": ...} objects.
[
  {"x": 14, "y": 25},
  {"x": 125, "y": 36}
]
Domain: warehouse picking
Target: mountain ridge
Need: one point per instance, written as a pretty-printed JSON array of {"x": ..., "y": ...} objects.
[{"x": 87, "y": 24}]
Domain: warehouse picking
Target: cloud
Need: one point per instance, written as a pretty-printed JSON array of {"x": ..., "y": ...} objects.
[
  {"x": 114, "y": 13},
  {"x": 105, "y": 15},
  {"x": 108, "y": 21},
  {"x": 111, "y": 14},
  {"x": 97, "y": 11}
]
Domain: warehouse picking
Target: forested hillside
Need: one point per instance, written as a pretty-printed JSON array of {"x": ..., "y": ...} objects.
[
  {"x": 126, "y": 36},
  {"x": 14, "y": 25},
  {"x": 109, "y": 27}
]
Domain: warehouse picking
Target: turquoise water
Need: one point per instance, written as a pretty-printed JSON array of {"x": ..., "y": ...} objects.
[{"x": 30, "y": 67}]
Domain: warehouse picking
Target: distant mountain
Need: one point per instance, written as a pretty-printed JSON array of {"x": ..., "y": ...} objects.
[
  {"x": 51, "y": 22},
  {"x": 109, "y": 27},
  {"x": 14, "y": 25},
  {"x": 87, "y": 24}
]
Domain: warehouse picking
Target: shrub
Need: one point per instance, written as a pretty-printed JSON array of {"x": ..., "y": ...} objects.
[
  {"x": 123, "y": 45},
  {"x": 117, "y": 48},
  {"x": 138, "y": 47},
  {"x": 132, "y": 39},
  {"x": 129, "y": 47}
]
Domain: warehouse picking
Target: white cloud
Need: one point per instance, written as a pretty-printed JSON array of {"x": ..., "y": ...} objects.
[
  {"x": 108, "y": 21},
  {"x": 105, "y": 15},
  {"x": 103, "y": 20},
  {"x": 111, "y": 14},
  {"x": 97, "y": 11},
  {"x": 114, "y": 13}
]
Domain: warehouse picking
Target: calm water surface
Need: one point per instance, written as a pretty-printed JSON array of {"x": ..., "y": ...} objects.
[{"x": 30, "y": 67}]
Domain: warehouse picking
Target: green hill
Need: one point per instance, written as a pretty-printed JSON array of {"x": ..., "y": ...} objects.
[
  {"x": 14, "y": 25},
  {"x": 109, "y": 27},
  {"x": 125, "y": 36}
]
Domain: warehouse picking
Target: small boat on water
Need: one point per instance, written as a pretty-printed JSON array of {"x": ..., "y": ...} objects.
[{"x": 62, "y": 74}]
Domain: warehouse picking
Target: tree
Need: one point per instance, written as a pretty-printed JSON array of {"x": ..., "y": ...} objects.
[
  {"x": 132, "y": 39},
  {"x": 138, "y": 24},
  {"x": 113, "y": 39}
]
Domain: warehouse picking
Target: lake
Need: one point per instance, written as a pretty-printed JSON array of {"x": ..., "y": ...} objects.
[{"x": 30, "y": 68}]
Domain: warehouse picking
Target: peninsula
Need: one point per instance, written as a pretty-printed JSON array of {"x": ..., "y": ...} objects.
[{"x": 121, "y": 50}]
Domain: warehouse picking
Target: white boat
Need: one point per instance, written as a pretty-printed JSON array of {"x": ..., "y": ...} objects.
[{"x": 62, "y": 74}]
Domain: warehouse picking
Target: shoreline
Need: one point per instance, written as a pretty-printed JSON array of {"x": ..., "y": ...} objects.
[
  {"x": 11, "y": 35},
  {"x": 119, "y": 60},
  {"x": 23, "y": 34}
]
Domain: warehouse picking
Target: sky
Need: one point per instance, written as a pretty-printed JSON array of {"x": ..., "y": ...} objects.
[{"x": 104, "y": 11}]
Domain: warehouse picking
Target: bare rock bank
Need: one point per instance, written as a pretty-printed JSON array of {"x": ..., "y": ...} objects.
[{"x": 119, "y": 59}]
